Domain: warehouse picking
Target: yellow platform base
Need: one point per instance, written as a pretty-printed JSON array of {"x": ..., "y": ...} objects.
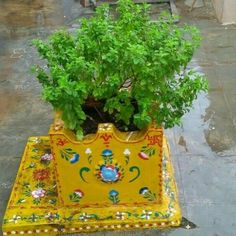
[{"x": 34, "y": 208}]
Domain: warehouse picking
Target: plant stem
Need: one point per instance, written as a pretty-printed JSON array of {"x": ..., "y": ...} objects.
[{"x": 100, "y": 115}]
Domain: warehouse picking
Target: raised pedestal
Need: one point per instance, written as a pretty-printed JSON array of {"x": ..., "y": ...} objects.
[{"x": 107, "y": 189}]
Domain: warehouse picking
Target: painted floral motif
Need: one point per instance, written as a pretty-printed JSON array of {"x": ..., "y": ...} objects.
[
  {"x": 167, "y": 188},
  {"x": 88, "y": 152},
  {"x": 46, "y": 158},
  {"x": 15, "y": 218},
  {"x": 69, "y": 155},
  {"x": 143, "y": 190},
  {"x": 84, "y": 217},
  {"x": 21, "y": 200},
  {"x": 52, "y": 201},
  {"x": 29, "y": 218},
  {"x": 31, "y": 166},
  {"x": 61, "y": 142},
  {"x": 127, "y": 152},
  {"x": 47, "y": 189},
  {"x": 120, "y": 215},
  {"x": 35, "y": 150},
  {"x": 171, "y": 212},
  {"x": 113, "y": 196},
  {"x": 146, "y": 193},
  {"x": 107, "y": 155},
  {"x": 74, "y": 158},
  {"x": 51, "y": 216},
  {"x": 33, "y": 218},
  {"x": 41, "y": 174},
  {"x": 166, "y": 176},
  {"x": 154, "y": 139},
  {"x": 143, "y": 155},
  {"x": 110, "y": 173},
  {"x": 37, "y": 185},
  {"x": 38, "y": 193},
  {"x": 37, "y": 140},
  {"x": 127, "y": 155},
  {"x": 146, "y": 215},
  {"x": 76, "y": 195},
  {"x": 40, "y": 185},
  {"x": 146, "y": 152}
]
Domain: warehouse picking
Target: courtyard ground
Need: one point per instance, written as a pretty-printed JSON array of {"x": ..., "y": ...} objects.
[{"x": 203, "y": 147}]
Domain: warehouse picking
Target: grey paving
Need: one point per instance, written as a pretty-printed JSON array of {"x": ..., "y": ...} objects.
[{"x": 203, "y": 147}]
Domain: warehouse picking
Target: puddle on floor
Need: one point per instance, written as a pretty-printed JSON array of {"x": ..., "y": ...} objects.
[
  {"x": 211, "y": 121},
  {"x": 22, "y": 18}
]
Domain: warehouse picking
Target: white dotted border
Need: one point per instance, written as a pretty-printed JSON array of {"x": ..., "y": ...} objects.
[{"x": 95, "y": 227}]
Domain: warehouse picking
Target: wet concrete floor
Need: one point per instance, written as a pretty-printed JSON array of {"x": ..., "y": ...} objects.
[{"x": 203, "y": 147}]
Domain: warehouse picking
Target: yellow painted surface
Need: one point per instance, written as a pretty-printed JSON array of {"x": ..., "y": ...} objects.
[
  {"x": 81, "y": 165},
  {"x": 40, "y": 204}
]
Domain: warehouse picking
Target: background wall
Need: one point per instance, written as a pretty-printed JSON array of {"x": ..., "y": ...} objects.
[{"x": 225, "y": 11}]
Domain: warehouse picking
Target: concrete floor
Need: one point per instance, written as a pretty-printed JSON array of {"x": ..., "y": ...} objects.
[{"x": 203, "y": 148}]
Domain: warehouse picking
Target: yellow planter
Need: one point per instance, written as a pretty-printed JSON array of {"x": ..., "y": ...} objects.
[{"x": 111, "y": 180}]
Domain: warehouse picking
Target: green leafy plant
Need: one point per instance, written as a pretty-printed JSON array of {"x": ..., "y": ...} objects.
[{"x": 123, "y": 67}]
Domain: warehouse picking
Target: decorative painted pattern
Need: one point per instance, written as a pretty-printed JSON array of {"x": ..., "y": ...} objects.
[
  {"x": 90, "y": 228},
  {"x": 109, "y": 172},
  {"x": 39, "y": 186},
  {"x": 154, "y": 139},
  {"x": 127, "y": 155},
  {"x": 82, "y": 171},
  {"x": 88, "y": 152},
  {"x": 69, "y": 155},
  {"x": 146, "y": 152},
  {"x": 76, "y": 195},
  {"x": 114, "y": 196},
  {"x": 127, "y": 159},
  {"x": 148, "y": 194},
  {"x": 134, "y": 169},
  {"x": 62, "y": 142},
  {"x": 34, "y": 199}
]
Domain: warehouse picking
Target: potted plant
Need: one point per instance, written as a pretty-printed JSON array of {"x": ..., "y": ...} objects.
[
  {"x": 115, "y": 84},
  {"x": 125, "y": 69}
]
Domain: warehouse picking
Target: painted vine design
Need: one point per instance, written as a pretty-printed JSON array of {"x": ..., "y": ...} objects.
[
  {"x": 32, "y": 218},
  {"x": 43, "y": 189},
  {"x": 70, "y": 155},
  {"x": 146, "y": 214}
]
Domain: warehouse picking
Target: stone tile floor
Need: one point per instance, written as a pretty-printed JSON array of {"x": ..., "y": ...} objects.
[{"x": 203, "y": 147}]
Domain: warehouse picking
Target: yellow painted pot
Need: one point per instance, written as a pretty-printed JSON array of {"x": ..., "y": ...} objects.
[
  {"x": 110, "y": 180},
  {"x": 99, "y": 170}
]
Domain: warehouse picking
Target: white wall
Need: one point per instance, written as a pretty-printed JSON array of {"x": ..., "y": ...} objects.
[{"x": 225, "y": 11}]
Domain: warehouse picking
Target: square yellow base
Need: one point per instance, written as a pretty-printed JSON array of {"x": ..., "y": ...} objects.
[{"x": 33, "y": 206}]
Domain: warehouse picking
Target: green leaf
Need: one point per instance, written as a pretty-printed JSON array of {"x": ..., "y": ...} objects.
[
  {"x": 69, "y": 151},
  {"x": 106, "y": 52},
  {"x": 79, "y": 134}
]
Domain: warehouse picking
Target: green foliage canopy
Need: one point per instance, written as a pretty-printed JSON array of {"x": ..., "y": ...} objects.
[{"x": 107, "y": 53}]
